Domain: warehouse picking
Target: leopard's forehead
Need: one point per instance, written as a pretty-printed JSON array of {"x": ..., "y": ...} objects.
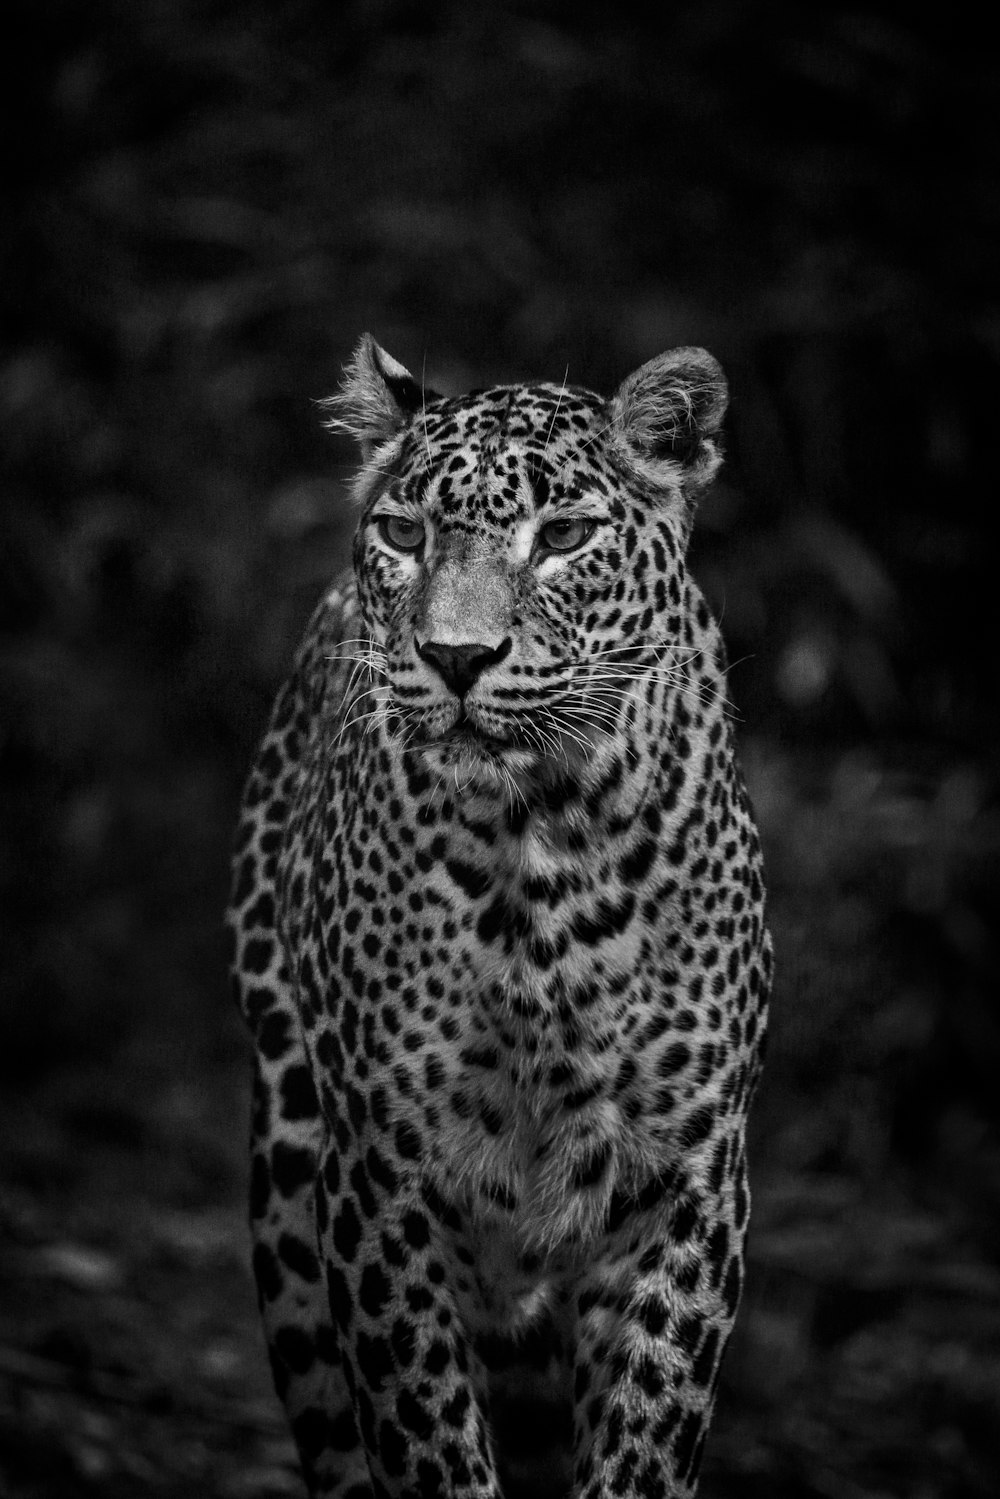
[
  {"x": 477, "y": 438},
  {"x": 528, "y": 412}
]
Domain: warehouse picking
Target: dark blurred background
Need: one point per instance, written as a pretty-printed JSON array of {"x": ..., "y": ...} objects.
[{"x": 204, "y": 205}]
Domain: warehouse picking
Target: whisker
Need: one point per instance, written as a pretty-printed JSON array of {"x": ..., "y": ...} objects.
[
  {"x": 349, "y": 724},
  {"x": 537, "y": 736},
  {"x": 423, "y": 411},
  {"x": 353, "y": 717},
  {"x": 583, "y": 446},
  {"x": 367, "y": 644},
  {"x": 561, "y": 729},
  {"x": 655, "y": 650},
  {"x": 591, "y": 717},
  {"x": 731, "y": 665},
  {"x": 672, "y": 677},
  {"x": 548, "y": 435},
  {"x": 514, "y": 793},
  {"x": 367, "y": 468}
]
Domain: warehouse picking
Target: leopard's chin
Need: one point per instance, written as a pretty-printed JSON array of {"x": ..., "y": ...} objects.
[
  {"x": 475, "y": 753},
  {"x": 468, "y": 761},
  {"x": 473, "y": 757}
]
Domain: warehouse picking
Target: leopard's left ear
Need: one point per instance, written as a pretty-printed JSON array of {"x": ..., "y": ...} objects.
[
  {"x": 377, "y": 397},
  {"x": 666, "y": 417}
]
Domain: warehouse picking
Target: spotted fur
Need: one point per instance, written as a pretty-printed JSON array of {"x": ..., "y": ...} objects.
[{"x": 499, "y": 938}]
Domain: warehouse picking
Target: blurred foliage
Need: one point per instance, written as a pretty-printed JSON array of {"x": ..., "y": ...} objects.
[{"x": 203, "y": 205}]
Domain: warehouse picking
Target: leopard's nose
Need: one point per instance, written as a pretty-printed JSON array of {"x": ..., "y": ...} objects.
[{"x": 460, "y": 666}]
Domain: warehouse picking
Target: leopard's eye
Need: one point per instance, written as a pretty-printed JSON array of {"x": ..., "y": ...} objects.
[
  {"x": 401, "y": 532},
  {"x": 565, "y": 535}
]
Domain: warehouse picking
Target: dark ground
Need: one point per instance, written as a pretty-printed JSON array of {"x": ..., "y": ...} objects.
[{"x": 205, "y": 204}]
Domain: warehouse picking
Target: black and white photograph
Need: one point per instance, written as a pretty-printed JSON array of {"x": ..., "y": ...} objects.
[{"x": 499, "y": 755}]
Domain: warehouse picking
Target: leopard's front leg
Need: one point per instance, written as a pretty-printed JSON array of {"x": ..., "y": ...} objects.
[
  {"x": 654, "y": 1314},
  {"x": 397, "y": 1275}
]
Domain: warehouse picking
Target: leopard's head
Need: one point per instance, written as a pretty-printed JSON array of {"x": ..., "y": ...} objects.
[{"x": 520, "y": 554}]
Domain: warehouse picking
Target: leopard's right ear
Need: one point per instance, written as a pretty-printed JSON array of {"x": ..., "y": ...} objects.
[{"x": 376, "y": 399}]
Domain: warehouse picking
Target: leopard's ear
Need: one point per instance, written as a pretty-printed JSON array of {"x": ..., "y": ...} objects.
[
  {"x": 666, "y": 417},
  {"x": 376, "y": 399}
]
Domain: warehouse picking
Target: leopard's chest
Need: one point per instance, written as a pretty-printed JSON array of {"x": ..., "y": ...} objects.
[
  {"x": 485, "y": 993},
  {"x": 532, "y": 1017}
]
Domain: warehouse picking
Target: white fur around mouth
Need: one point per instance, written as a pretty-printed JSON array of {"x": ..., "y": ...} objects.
[
  {"x": 469, "y": 747},
  {"x": 466, "y": 735},
  {"x": 473, "y": 758}
]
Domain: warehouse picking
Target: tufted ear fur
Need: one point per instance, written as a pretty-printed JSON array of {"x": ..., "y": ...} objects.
[
  {"x": 376, "y": 399},
  {"x": 666, "y": 418}
]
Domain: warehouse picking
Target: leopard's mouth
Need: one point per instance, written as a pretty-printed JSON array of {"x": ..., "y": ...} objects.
[
  {"x": 474, "y": 742},
  {"x": 466, "y": 733},
  {"x": 470, "y": 755}
]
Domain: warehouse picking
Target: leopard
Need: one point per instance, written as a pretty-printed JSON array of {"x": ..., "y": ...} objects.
[{"x": 499, "y": 938}]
